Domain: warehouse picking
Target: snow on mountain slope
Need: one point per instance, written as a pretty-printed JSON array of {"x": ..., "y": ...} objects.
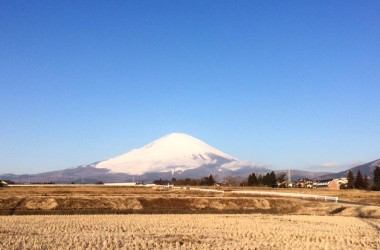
[
  {"x": 237, "y": 165},
  {"x": 170, "y": 153}
]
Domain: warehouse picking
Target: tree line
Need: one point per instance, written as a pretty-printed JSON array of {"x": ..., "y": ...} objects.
[
  {"x": 204, "y": 181},
  {"x": 361, "y": 182},
  {"x": 269, "y": 179}
]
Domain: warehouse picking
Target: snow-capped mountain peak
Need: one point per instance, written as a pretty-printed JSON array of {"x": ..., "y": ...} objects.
[{"x": 172, "y": 152}]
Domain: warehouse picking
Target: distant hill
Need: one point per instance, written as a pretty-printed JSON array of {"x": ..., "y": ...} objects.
[
  {"x": 297, "y": 174},
  {"x": 365, "y": 169}
]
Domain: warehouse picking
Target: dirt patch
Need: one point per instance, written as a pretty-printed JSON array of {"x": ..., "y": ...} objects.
[
  {"x": 9, "y": 202},
  {"x": 41, "y": 203},
  {"x": 233, "y": 205},
  {"x": 261, "y": 204},
  {"x": 217, "y": 205},
  {"x": 133, "y": 204},
  {"x": 200, "y": 203},
  {"x": 243, "y": 204}
]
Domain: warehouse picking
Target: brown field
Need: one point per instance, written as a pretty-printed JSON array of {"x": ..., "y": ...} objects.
[
  {"x": 95, "y": 200},
  {"x": 184, "y": 219},
  {"x": 207, "y": 231},
  {"x": 359, "y": 196}
]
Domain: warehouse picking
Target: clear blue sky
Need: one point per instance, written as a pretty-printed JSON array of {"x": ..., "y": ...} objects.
[{"x": 287, "y": 85}]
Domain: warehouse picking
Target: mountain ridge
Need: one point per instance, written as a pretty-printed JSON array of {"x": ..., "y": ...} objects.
[
  {"x": 365, "y": 169},
  {"x": 176, "y": 155}
]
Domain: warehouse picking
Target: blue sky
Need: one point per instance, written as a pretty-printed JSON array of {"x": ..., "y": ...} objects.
[{"x": 286, "y": 85}]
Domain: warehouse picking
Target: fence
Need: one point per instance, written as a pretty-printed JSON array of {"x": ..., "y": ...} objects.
[
  {"x": 322, "y": 197},
  {"x": 207, "y": 190}
]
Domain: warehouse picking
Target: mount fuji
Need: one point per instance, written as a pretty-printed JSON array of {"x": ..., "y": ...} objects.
[
  {"x": 172, "y": 153},
  {"x": 176, "y": 155}
]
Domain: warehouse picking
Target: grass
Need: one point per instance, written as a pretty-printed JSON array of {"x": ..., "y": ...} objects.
[{"x": 208, "y": 231}]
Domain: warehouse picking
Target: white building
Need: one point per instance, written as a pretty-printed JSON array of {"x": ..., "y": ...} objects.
[{"x": 121, "y": 184}]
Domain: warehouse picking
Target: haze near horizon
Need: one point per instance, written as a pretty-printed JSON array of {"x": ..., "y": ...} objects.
[{"x": 285, "y": 85}]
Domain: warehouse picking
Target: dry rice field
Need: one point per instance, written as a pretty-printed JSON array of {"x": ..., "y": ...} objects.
[
  {"x": 195, "y": 231},
  {"x": 143, "y": 200}
]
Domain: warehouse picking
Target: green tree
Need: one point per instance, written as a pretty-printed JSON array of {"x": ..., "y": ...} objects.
[
  {"x": 272, "y": 179},
  {"x": 255, "y": 181},
  {"x": 350, "y": 180},
  {"x": 359, "y": 181},
  {"x": 260, "y": 180},
  {"x": 161, "y": 182},
  {"x": 252, "y": 180},
  {"x": 174, "y": 181},
  {"x": 207, "y": 181},
  {"x": 376, "y": 178},
  {"x": 269, "y": 179},
  {"x": 365, "y": 182},
  {"x": 211, "y": 181},
  {"x": 266, "y": 179}
]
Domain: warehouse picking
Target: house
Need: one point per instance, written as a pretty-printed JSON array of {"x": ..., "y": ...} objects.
[
  {"x": 121, "y": 184},
  {"x": 3, "y": 183},
  {"x": 283, "y": 184},
  {"x": 304, "y": 183},
  {"x": 329, "y": 183},
  {"x": 322, "y": 183},
  {"x": 334, "y": 185}
]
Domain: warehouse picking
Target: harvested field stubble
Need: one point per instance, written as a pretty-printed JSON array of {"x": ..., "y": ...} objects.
[
  {"x": 188, "y": 232},
  {"x": 114, "y": 200},
  {"x": 359, "y": 196}
]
